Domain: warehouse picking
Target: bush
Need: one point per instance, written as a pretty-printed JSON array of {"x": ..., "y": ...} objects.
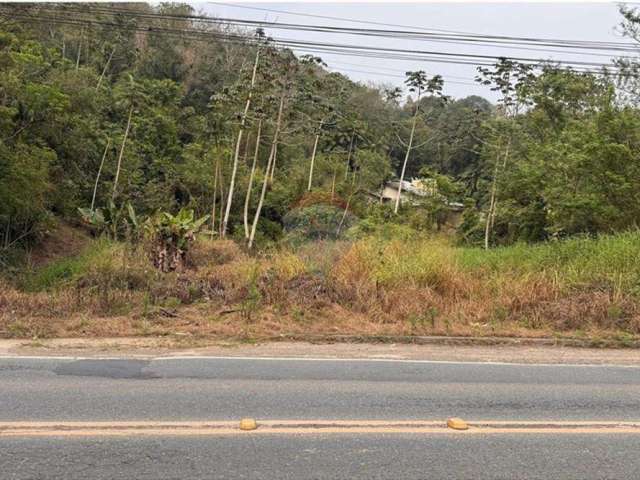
[
  {"x": 321, "y": 198},
  {"x": 382, "y": 223},
  {"x": 66, "y": 271},
  {"x": 384, "y": 231},
  {"x": 317, "y": 222},
  {"x": 170, "y": 237}
]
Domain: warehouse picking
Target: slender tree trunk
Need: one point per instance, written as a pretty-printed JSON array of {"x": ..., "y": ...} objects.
[
  {"x": 354, "y": 189},
  {"x": 272, "y": 156},
  {"x": 215, "y": 194},
  {"x": 124, "y": 141},
  {"x": 95, "y": 187},
  {"x": 7, "y": 234},
  {"x": 221, "y": 210},
  {"x": 344, "y": 215},
  {"x": 79, "y": 49},
  {"x": 491, "y": 214},
  {"x": 488, "y": 221},
  {"x": 221, "y": 213},
  {"x": 106, "y": 66},
  {"x": 273, "y": 164},
  {"x": 313, "y": 158},
  {"x": 245, "y": 154},
  {"x": 333, "y": 181},
  {"x": 346, "y": 170},
  {"x": 406, "y": 159},
  {"x": 247, "y": 198},
  {"x": 236, "y": 155}
]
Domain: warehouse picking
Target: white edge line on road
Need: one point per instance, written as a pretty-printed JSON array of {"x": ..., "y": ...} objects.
[
  {"x": 316, "y": 359},
  {"x": 400, "y": 360}
]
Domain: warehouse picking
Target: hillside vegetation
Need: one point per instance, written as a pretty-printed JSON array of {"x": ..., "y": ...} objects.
[
  {"x": 163, "y": 173},
  {"x": 586, "y": 287}
]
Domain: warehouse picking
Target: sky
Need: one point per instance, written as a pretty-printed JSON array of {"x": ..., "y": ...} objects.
[{"x": 573, "y": 21}]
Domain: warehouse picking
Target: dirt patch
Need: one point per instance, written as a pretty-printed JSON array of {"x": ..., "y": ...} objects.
[
  {"x": 62, "y": 240},
  {"x": 180, "y": 346}
]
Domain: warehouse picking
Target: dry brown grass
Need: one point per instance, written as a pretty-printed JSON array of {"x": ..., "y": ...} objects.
[
  {"x": 322, "y": 198},
  {"x": 370, "y": 287}
]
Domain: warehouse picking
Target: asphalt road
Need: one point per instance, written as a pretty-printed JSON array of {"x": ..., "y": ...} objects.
[{"x": 37, "y": 389}]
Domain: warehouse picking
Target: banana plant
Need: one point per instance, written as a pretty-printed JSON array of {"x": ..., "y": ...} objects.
[
  {"x": 170, "y": 237},
  {"x": 113, "y": 221}
]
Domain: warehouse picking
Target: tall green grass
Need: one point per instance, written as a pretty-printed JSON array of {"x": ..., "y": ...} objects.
[
  {"x": 611, "y": 261},
  {"x": 66, "y": 271}
]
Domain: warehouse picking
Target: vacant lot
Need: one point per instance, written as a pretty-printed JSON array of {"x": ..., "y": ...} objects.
[{"x": 580, "y": 287}]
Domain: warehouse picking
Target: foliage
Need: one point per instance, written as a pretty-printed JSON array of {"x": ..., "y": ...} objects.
[
  {"x": 170, "y": 237},
  {"x": 116, "y": 222},
  {"x": 557, "y": 157},
  {"x": 316, "y": 222},
  {"x": 573, "y": 165},
  {"x": 67, "y": 271}
]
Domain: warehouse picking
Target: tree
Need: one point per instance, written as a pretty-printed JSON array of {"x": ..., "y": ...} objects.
[
  {"x": 321, "y": 108},
  {"x": 236, "y": 155},
  {"x": 251, "y": 177},
  {"x": 509, "y": 78},
  {"x": 284, "y": 70},
  {"x": 419, "y": 83}
]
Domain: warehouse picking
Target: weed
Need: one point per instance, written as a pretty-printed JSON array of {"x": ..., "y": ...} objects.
[
  {"x": 371, "y": 285},
  {"x": 250, "y": 305},
  {"x": 298, "y": 315}
]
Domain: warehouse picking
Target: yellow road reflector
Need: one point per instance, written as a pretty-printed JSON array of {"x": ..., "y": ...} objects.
[
  {"x": 457, "y": 424},
  {"x": 314, "y": 427},
  {"x": 248, "y": 424}
]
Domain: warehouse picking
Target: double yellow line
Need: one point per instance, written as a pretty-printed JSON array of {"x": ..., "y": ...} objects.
[{"x": 305, "y": 427}]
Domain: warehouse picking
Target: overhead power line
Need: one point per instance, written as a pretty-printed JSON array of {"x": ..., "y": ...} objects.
[
  {"x": 70, "y": 17},
  {"x": 328, "y": 17},
  {"x": 577, "y": 47},
  {"x": 391, "y": 75},
  {"x": 393, "y": 70},
  {"x": 353, "y": 48},
  {"x": 403, "y": 34},
  {"x": 200, "y": 35}
]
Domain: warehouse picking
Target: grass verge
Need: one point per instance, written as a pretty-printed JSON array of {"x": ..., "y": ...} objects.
[{"x": 585, "y": 288}]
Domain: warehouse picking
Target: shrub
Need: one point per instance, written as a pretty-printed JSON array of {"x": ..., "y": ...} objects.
[
  {"x": 321, "y": 198},
  {"x": 317, "y": 222},
  {"x": 116, "y": 222},
  {"x": 170, "y": 237},
  {"x": 66, "y": 271}
]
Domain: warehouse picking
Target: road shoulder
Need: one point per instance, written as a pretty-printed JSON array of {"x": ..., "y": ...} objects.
[{"x": 151, "y": 347}]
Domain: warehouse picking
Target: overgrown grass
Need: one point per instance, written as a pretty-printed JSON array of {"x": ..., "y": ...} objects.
[
  {"x": 610, "y": 262},
  {"x": 67, "y": 270},
  {"x": 373, "y": 285},
  {"x": 558, "y": 286}
]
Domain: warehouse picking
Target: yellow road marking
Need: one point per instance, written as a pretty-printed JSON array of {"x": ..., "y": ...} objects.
[{"x": 303, "y": 427}]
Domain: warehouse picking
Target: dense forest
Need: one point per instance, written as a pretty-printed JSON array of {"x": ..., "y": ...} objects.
[{"x": 132, "y": 108}]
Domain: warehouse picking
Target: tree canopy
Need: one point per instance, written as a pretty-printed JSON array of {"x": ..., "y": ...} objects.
[{"x": 117, "y": 107}]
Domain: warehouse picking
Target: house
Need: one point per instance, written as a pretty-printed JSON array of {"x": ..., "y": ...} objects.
[{"x": 412, "y": 192}]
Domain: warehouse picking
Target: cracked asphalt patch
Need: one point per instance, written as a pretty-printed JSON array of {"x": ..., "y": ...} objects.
[{"x": 110, "y": 368}]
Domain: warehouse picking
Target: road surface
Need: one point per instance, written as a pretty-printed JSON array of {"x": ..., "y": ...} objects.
[{"x": 63, "y": 391}]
